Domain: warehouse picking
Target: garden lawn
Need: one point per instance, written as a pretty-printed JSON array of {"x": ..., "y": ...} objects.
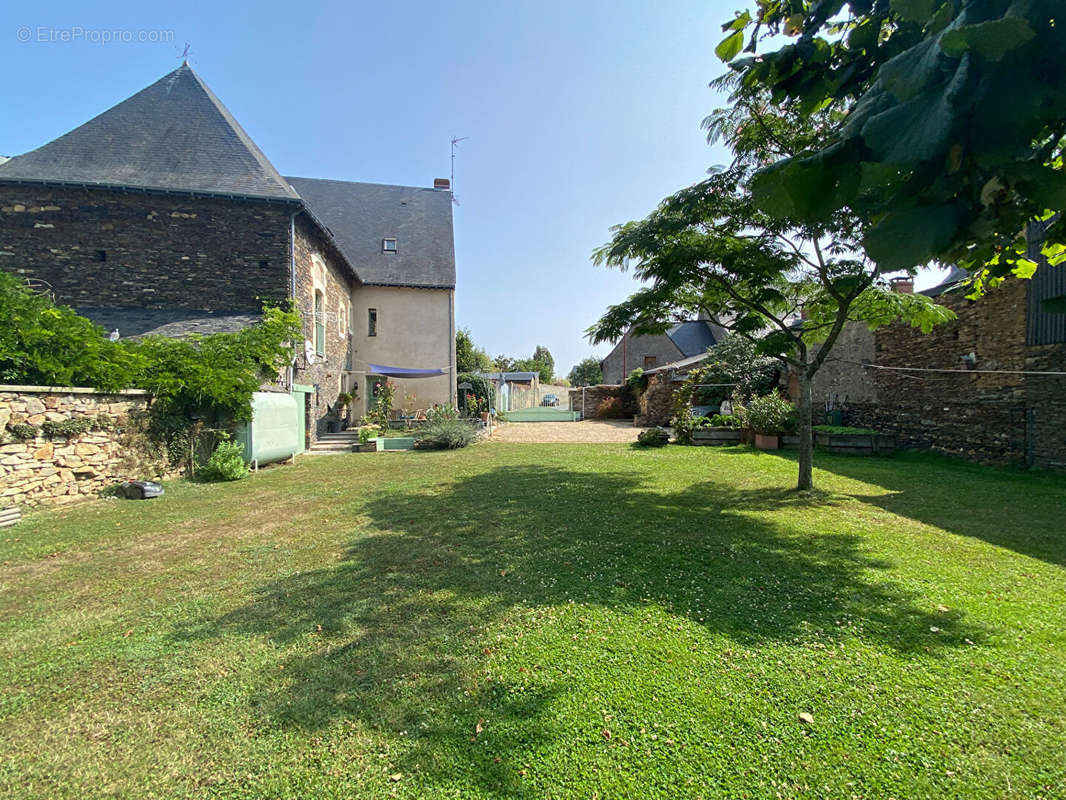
[{"x": 542, "y": 621}]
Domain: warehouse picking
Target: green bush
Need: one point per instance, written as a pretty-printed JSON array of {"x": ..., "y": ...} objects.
[
  {"x": 843, "y": 430},
  {"x": 445, "y": 434},
  {"x": 724, "y": 421},
  {"x": 441, "y": 413},
  {"x": 653, "y": 437},
  {"x": 637, "y": 381},
  {"x": 770, "y": 414},
  {"x": 481, "y": 388},
  {"x": 225, "y": 464},
  {"x": 22, "y": 431},
  {"x": 367, "y": 434}
]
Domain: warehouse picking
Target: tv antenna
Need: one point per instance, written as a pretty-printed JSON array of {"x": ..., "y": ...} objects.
[{"x": 455, "y": 141}]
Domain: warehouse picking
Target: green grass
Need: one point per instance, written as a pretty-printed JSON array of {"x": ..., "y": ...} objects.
[{"x": 544, "y": 622}]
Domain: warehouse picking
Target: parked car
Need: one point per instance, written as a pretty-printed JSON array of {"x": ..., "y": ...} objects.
[{"x": 550, "y": 400}]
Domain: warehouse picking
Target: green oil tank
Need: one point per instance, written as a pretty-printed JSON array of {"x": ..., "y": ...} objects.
[{"x": 274, "y": 432}]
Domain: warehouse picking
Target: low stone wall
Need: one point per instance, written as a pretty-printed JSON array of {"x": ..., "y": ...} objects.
[
  {"x": 588, "y": 399},
  {"x": 62, "y": 444},
  {"x": 657, "y": 401}
]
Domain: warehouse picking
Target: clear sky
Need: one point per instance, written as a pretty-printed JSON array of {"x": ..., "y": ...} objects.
[{"x": 581, "y": 115}]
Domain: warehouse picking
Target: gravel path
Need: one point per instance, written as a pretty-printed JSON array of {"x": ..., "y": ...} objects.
[{"x": 584, "y": 431}]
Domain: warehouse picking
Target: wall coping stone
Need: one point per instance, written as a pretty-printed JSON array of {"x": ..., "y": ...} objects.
[{"x": 70, "y": 390}]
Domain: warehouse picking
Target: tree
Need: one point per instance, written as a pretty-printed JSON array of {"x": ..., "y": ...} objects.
[
  {"x": 468, "y": 356},
  {"x": 543, "y": 357},
  {"x": 505, "y": 363},
  {"x": 950, "y": 140},
  {"x": 710, "y": 247},
  {"x": 586, "y": 372}
]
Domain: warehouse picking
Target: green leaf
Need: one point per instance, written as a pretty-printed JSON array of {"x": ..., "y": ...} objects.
[
  {"x": 915, "y": 131},
  {"x": 1024, "y": 268},
  {"x": 914, "y": 10},
  {"x": 738, "y": 24},
  {"x": 991, "y": 40},
  {"x": 1054, "y": 253},
  {"x": 730, "y": 46},
  {"x": 911, "y": 238}
]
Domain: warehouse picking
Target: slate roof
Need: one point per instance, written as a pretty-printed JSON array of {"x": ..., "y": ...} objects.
[
  {"x": 692, "y": 338},
  {"x": 361, "y": 215},
  {"x": 956, "y": 276},
  {"x": 172, "y": 322},
  {"x": 175, "y": 135}
]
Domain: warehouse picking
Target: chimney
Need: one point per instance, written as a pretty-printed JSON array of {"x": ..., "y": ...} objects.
[
  {"x": 442, "y": 183},
  {"x": 903, "y": 285}
]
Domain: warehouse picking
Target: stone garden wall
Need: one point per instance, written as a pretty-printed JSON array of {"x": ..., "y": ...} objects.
[
  {"x": 589, "y": 399},
  {"x": 657, "y": 401},
  {"x": 63, "y": 444}
]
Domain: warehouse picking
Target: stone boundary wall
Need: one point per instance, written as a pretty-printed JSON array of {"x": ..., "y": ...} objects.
[
  {"x": 657, "y": 401},
  {"x": 67, "y": 466},
  {"x": 587, "y": 399}
]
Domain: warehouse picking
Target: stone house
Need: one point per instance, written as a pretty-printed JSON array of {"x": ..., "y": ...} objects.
[
  {"x": 982, "y": 387},
  {"x": 683, "y": 340},
  {"x": 161, "y": 215}
]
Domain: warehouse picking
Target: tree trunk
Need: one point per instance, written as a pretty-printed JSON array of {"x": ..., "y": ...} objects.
[{"x": 806, "y": 435}]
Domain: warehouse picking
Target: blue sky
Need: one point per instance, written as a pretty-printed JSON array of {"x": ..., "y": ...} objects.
[{"x": 581, "y": 115}]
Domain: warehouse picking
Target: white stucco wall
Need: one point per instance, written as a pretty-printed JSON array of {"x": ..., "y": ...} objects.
[{"x": 415, "y": 328}]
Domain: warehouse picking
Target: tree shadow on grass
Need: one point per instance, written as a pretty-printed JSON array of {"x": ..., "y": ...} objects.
[
  {"x": 403, "y": 621},
  {"x": 1009, "y": 508}
]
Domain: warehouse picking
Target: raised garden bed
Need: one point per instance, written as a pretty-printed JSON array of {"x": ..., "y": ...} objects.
[
  {"x": 716, "y": 437},
  {"x": 854, "y": 441}
]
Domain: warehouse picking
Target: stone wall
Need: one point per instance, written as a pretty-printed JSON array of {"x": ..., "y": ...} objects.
[
  {"x": 106, "y": 248},
  {"x": 988, "y": 417},
  {"x": 657, "y": 401},
  {"x": 630, "y": 353},
  {"x": 587, "y": 399},
  {"x": 54, "y": 468},
  {"x": 320, "y": 268}
]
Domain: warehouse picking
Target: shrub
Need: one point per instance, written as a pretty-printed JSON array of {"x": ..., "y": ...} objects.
[
  {"x": 481, "y": 388},
  {"x": 367, "y": 434},
  {"x": 724, "y": 421},
  {"x": 226, "y": 463},
  {"x": 611, "y": 408},
  {"x": 637, "y": 381},
  {"x": 22, "y": 431},
  {"x": 441, "y": 413},
  {"x": 843, "y": 430},
  {"x": 770, "y": 414},
  {"x": 653, "y": 437},
  {"x": 445, "y": 434}
]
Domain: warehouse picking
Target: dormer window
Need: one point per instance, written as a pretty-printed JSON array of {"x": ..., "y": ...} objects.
[{"x": 388, "y": 245}]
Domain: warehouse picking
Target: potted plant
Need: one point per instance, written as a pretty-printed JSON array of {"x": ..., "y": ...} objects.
[
  {"x": 368, "y": 440},
  {"x": 768, "y": 416}
]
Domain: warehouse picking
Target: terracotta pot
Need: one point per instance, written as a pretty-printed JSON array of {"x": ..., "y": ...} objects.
[{"x": 767, "y": 442}]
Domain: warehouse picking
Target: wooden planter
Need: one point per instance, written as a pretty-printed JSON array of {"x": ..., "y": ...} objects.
[
  {"x": 369, "y": 447},
  {"x": 790, "y": 441},
  {"x": 856, "y": 444},
  {"x": 716, "y": 437},
  {"x": 767, "y": 441}
]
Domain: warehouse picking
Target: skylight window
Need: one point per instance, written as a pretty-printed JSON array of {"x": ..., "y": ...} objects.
[{"x": 388, "y": 245}]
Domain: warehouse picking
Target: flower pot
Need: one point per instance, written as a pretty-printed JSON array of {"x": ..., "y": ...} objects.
[
  {"x": 484, "y": 416},
  {"x": 765, "y": 441}
]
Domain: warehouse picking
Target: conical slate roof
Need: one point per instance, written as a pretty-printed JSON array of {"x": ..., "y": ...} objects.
[{"x": 174, "y": 135}]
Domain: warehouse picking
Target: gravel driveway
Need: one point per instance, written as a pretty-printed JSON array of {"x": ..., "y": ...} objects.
[{"x": 584, "y": 431}]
